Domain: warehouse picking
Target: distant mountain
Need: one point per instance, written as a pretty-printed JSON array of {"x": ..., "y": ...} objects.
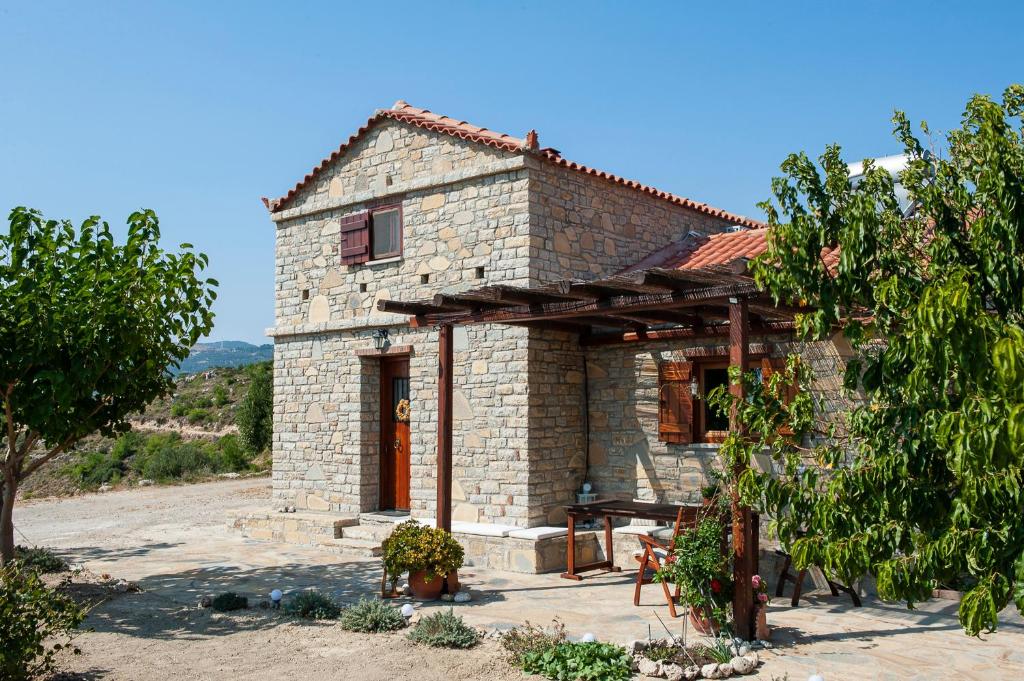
[{"x": 225, "y": 354}]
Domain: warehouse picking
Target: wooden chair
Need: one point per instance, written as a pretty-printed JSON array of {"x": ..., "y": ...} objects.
[
  {"x": 651, "y": 556},
  {"x": 798, "y": 582}
]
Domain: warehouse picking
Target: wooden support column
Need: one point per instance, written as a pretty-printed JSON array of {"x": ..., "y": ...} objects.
[
  {"x": 742, "y": 536},
  {"x": 445, "y": 373}
]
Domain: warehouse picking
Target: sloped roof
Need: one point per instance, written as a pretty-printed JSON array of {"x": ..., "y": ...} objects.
[
  {"x": 423, "y": 118},
  {"x": 699, "y": 251}
]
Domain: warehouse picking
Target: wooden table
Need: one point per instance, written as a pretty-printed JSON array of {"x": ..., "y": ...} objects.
[{"x": 611, "y": 508}]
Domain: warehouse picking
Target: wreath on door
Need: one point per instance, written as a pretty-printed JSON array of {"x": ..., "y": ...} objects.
[{"x": 402, "y": 411}]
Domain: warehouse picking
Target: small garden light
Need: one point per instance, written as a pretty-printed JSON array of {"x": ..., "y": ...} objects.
[
  {"x": 815, "y": 677},
  {"x": 408, "y": 611},
  {"x": 588, "y": 638},
  {"x": 275, "y": 598}
]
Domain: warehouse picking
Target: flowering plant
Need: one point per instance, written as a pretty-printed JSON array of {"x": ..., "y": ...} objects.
[
  {"x": 698, "y": 566},
  {"x": 760, "y": 588}
]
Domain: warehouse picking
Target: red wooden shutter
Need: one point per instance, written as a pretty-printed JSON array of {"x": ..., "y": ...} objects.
[
  {"x": 770, "y": 365},
  {"x": 355, "y": 238},
  {"x": 675, "y": 404}
]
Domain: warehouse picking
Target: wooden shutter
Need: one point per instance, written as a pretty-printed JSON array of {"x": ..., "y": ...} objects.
[
  {"x": 355, "y": 238},
  {"x": 675, "y": 404},
  {"x": 770, "y": 365}
]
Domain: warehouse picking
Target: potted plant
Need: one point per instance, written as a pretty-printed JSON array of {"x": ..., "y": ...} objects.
[
  {"x": 427, "y": 554},
  {"x": 708, "y": 493},
  {"x": 701, "y": 571}
]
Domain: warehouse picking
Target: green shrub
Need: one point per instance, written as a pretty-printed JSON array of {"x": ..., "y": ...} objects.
[
  {"x": 583, "y": 661},
  {"x": 175, "y": 461},
  {"x": 226, "y": 602},
  {"x": 313, "y": 605},
  {"x": 529, "y": 638},
  {"x": 371, "y": 616},
  {"x": 41, "y": 560},
  {"x": 93, "y": 469},
  {"x": 202, "y": 402},
  {"x": 444, "y": 630},
  {"x": 255, "y": 417},
  {"x": 35, "y": 623},
  {"x": 229, "y": 455},
  {"x": 220, "y": 396},
  {"x": 198, "y": 415},
  {"x": 179, "y": 409}
]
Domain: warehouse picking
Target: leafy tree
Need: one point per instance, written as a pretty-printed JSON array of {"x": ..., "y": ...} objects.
[
  {"x": 89, "y": 328},
  {"x": 256, "y": 412},
  {"x": 920, "y": 483}
]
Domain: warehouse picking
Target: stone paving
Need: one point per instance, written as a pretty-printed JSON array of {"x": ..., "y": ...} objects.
[{"x": 175, "y": 541}]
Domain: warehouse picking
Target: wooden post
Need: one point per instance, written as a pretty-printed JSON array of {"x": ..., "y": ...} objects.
[
  {"x": 445, "y": 367},
  {"x": 743, "y": 559}
]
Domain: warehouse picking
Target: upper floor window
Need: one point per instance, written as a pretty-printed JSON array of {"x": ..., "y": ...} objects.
[
  {"x": 386, "y": 232},
  {"x": 371, "y": 235}
]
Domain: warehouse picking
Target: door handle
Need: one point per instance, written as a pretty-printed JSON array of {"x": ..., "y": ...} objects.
[{"x": 398, "y": 445}]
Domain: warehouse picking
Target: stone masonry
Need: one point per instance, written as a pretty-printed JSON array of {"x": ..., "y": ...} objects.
[{"x": 471, "y": 215}]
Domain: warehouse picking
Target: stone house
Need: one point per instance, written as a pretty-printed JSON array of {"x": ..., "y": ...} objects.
[{"x": 415, "y": 206}]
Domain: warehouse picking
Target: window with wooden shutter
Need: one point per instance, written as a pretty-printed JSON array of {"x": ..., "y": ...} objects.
[
  {"x": 355, "y": 238},
  {"x": 675, "y": 403},
  {"x": 769, "y": 366}
]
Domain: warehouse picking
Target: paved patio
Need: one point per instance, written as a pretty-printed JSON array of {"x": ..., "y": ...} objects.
[{"x": 174, "y": 542}]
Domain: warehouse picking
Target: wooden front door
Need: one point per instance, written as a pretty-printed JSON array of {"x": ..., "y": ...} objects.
[{"x": 394, "y": 433}]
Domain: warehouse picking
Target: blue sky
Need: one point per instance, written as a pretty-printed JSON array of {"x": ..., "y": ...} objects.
[{"x": 197, "y": 109}]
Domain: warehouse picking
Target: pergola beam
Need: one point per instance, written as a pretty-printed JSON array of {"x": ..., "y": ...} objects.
[
  {"x": 617, "y": 305},
  {"x": 710, "y": 332}
]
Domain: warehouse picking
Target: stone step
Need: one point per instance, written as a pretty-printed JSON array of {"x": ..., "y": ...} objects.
[
  {"x": 369, "y": 532},
  {"x": 356, "y": 548},
  {"x": 384, "y": 518}
]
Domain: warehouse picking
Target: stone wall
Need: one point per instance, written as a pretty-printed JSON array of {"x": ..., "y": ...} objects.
[
  {"x": 464, "y": 207},
  {"x": 586, "y": 227},
  {"x": 627, "y": 460}
]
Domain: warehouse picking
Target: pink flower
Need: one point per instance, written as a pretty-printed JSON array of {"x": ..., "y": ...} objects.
[
  {"x": 763, "y": 597},
  {"x": 756, "y": 581}
]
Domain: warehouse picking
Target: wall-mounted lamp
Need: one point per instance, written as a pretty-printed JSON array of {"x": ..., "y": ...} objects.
[
  {"x": 380, "y": 339},
  {"x": 694, "y": 388}
]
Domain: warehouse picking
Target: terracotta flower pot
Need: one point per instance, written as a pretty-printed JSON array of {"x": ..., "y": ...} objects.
[
  {"x": 453, "y": 582},
  {"x": 424, "y": 589},
  {"x": 762, "y": 632},
  {"x": 702, "y": 622}
]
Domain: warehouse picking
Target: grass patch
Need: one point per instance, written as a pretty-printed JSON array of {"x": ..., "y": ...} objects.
[
  {"x": 444, "y": 630},
  {"x": 371, "y": 616},
  {"x": 313, "y": 605}
]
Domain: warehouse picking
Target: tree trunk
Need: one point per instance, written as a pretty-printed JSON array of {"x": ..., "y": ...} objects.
[{"x": 7, "y": 520}]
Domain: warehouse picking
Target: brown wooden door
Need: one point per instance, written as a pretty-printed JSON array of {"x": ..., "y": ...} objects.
[{"x": 394, "y": 434}]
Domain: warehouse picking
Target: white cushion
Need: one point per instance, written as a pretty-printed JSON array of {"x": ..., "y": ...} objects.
[
  {"x": 483, "y": 529},
  {"x": 633, "y": 529},
  {"x": 663, "y": 533},
  {"x": 539, "y": 533}
]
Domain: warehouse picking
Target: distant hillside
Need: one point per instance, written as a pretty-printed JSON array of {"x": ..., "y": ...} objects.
[{"x": 225, "y": 354}]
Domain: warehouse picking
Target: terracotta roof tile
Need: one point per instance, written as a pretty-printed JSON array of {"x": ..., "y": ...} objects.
[
  {"x": 698, "y": 251},
  {"x": 429, "y": 120}
]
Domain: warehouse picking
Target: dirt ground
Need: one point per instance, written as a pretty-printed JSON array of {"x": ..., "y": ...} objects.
[
  {"x": 175, "y": 544},
  {"x": 161, "y": 633}
]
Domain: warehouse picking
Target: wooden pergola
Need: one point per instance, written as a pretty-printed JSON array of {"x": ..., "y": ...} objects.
[{"x": 656, "y": 304}]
